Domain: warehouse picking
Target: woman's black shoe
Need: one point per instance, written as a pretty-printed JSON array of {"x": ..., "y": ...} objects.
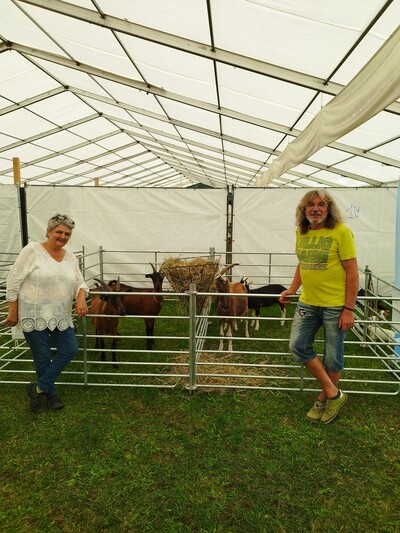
[
  {"x": 55, "y": 402},
  {"x": 35, "y": 398}
]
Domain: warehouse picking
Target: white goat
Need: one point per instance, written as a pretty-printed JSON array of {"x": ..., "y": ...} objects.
[{"x": 377, "y": 332}]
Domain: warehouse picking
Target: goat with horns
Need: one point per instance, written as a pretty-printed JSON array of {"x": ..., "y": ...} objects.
[
  {"x": 105, "y": 310},
  {"x": 230, "y": 306},
  {"x": 147, "y": 305}
]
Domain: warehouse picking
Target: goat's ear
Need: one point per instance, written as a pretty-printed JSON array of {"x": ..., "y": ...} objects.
[{"x": 147, "y": 275}]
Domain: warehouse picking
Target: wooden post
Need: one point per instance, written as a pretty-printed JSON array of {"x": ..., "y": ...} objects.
[
  {"x": 16, "y": 171},
  {"x": 96, "y": 182}
]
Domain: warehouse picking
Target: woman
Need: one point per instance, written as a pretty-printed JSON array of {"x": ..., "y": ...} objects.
[{"x": 41, "y": 286}]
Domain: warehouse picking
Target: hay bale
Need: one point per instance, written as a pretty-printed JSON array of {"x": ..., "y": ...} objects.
[
  {"x": 182, "y": 272},
  {"x": 221, "y": 370}
]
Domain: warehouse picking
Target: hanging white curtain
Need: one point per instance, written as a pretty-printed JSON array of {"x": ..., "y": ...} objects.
[{"x": 375, "y": 87}]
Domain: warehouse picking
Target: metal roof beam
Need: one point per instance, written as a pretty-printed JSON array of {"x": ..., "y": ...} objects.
[
  {"x": 237, "y": 116},
  {"x": 193, "y": 47},
  {"x": 179, "y": 98},
  {"x": 33, "y": 100},
  {"x": 258, "y": 147},
  {"x": 46, "y": 133}
]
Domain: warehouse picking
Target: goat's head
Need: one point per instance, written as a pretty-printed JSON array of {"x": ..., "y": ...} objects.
[
  {"x": 225, "y": 270},
  {"x": 157, "y": 278},
  {"x": 246, "y": 283},
  {"x": 105, "y": 287},
  {"x": 113, "y": 299},
  {"x": 221, "y": 284}
]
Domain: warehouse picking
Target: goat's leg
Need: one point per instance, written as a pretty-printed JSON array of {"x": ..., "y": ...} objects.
[
  {"x": 246, "y": 327},
  {"x": 149, "y": 322},
  {"x": 113, "y": 348},
  {"x": 253, "y": 314},
  {"x": 283, "y": 315},
  {"x": 221, "y": 334},
  {"x": 99, "y": 345},
  {"x": 102, "y": 346},
  {"x": 229, "y": 337},
  {"x": 257, "y": 320}
]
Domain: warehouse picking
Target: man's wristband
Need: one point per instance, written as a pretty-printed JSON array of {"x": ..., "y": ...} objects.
[{"x": 348, "y": 308}]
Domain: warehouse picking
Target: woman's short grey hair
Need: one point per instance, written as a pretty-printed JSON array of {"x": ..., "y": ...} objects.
[{"x": 58, "y": 220}]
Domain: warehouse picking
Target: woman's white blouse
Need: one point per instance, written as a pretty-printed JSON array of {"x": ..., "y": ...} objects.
[{"x": 45, "y": 288}]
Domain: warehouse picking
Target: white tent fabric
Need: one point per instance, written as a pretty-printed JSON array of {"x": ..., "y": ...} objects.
[
  {"x": 186, "y": 93},
  {"x": 10, "y": 232},
  {"x": 168, "y": 221},
  {"x": 174, "y": 221},
  {"x": 348, "y": 110},
  {"x": 265, "y": 222}
]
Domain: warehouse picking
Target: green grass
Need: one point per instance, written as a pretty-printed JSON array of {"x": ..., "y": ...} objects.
[{"x": 140, "y": 460}]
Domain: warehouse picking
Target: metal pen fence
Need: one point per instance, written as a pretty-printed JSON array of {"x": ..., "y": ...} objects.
[{"x": 186, "y": 355}]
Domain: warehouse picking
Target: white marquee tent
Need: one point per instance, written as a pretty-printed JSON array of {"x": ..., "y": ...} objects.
[{"x": 180, "y": 93}]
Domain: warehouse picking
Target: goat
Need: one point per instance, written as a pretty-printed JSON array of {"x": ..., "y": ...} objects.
[
  {"x": 377, "y": 332},
  {"x": 380, "y": 306},
  {"x": 229, "y": 307},
  {"x": 106, "y": 304},
  {"x": 143, "y": 304},
  {"x": 256, "y": 302}
]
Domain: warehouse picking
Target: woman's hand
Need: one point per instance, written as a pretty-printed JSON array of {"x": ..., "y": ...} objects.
[
  {"x": 12, "y": 319},
  {"x": 81, "y": 307}
]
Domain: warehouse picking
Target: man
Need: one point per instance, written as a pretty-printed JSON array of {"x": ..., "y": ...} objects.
[{"x": 328, "y": 273}]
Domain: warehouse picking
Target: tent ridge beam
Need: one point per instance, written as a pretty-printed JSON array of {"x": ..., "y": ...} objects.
[
  {"x": 285, "y": 130},
  {"x": 193, "y": 47}
]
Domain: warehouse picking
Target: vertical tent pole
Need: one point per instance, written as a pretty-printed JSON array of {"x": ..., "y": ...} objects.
[
  {"x": 396, "y": 314},
  {"x": 16, "y": 171}
]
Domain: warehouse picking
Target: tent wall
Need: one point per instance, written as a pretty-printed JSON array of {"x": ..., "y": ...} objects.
[
  {"x": 10, "y": 227},
  {"x": 144, "y": 220},
  {"x": 181, "y": 221},
  {"x": 265, "y": 221}
]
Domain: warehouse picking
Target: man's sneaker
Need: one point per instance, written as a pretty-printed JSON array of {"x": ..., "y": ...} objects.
[
  {"x": 55, "y": 402},
  {"x": 332, "y": 407},
  {"x": 316, "y": 411},
  {"x": 35, "y": 398}
]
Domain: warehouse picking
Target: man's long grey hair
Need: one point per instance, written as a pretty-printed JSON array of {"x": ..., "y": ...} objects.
[{"x": 334, "y": 216}]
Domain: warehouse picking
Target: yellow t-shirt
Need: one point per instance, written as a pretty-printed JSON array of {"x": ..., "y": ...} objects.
[{"x": 320, "y": 253}]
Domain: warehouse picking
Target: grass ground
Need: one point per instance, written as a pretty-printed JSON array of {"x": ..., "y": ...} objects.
[
  {"x": 147, "y": 460},
  {"x": 138, "y": 460}
]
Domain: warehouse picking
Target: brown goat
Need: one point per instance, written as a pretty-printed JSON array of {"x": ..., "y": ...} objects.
[
  {"x": 146, "y": 305},
  {"x": 106, "y": 304},
  {"x": 230, "y": 307}
]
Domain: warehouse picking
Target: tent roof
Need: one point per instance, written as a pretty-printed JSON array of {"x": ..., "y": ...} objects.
[{"x": 183, "y": 93}]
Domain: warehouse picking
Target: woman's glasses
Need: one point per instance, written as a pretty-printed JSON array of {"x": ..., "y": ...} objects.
[{"x": 64, "y": 218}]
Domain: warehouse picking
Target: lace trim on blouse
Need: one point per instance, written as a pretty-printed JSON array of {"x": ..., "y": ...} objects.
[
  {"x": 12, "y": 295},
  {"x": 40, "y": 324}
]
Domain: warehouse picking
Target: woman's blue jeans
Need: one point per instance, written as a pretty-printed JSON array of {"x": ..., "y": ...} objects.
[
  {"x": 49, "y": 365},
  {"x": 308, "y": 319}
]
